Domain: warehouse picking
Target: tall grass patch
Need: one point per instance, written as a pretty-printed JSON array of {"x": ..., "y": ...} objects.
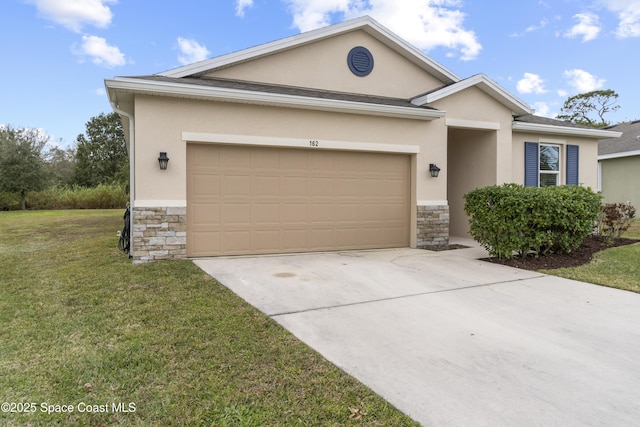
[{"x": 54, "y": 198}]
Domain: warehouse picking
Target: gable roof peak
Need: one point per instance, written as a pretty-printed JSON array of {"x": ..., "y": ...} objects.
[
  {"x": 484, "y": 83},
  {"x": 364, "y": 23}
]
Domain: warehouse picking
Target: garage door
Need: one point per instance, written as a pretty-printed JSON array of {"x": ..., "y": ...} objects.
[{"x": 261, "y": 200}]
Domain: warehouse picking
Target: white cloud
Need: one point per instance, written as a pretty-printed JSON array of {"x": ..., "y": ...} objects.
[
  {"x": 540, "y": 26},
  {"x": 543, "y": 109},
  {"x": 241, "y": 6},
  {"x": 101, "y": 52},
  {"x": 629, "y": 15},
  {"x": 100, "y": 91},
  {"x": 563, "y": 93},
  {"x": 75, "y": 14},
  {"x": 531, "y": 83},
  {"x": 588, "y": 27},
  {"x": 583, "y": 81},
  {"x": 191, "y": 51},
  {"x": 427, "y": 24}
]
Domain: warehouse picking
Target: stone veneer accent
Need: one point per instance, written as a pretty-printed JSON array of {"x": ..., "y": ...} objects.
[
  {"x": 433, "y": 226},
  {"x": 158, "y": 233},
  {"x": 161, "y": 233}
]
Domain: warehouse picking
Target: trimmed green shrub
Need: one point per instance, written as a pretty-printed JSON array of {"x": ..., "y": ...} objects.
[{"x": 512, "y": 219}]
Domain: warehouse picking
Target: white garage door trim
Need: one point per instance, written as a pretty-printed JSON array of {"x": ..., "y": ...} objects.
[{"x": 319, "y": 144}]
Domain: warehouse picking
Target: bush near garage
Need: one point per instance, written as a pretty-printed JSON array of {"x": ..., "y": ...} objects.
[{"x": 511, "y": 219}]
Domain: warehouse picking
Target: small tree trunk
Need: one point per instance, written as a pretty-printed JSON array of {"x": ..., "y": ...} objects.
[{"x": 23, "y": 200}]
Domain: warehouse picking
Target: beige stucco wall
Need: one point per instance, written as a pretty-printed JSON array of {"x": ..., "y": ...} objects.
[
  {"x": 477, "y": 157},
  {"x": 621, "y": 180},
  {"x": 323, "y": 65},
  {"x": 160, "y": 122},
  {"x": 587, "y": 167},
  {"x": 474, "y": 105},
  {"x": 472, "y": 164}
]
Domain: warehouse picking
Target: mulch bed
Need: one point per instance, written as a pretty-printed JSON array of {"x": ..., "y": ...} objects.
[{"x": 580, "y": 256}]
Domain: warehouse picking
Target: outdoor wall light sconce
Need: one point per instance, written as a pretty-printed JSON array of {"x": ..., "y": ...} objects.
[
  {"x": 434, "y": 169},
  {"x": 163, "y": 160}
]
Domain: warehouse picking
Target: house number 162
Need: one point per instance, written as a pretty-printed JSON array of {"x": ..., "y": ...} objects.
[{"x": 314, "y": 143}]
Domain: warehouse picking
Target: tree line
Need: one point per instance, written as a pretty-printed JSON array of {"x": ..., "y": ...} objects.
[{"x": 30, "y": 162}]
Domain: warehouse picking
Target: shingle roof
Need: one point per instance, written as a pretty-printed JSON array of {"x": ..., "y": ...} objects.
[
  {"x": 629, "y": 141},
  {"x": 283, "y": 90},
  {"x": 531, "y": 118}
]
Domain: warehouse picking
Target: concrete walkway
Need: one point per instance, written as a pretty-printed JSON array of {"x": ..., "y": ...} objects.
[{"x": 454, "y": 341}]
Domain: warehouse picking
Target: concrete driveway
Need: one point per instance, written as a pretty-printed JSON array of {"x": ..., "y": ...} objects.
[{"x": 454, "y": 341}]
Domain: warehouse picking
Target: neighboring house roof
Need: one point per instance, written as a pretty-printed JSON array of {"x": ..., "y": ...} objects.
[
  {"x": 627, "y": 144},
  {"x": 365, "y": 23},
  {"x": 485, "y": 84},
  {"x": 546, "y": 125}
]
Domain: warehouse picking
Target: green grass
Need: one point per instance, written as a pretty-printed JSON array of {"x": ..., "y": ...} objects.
[
  {"x": 616, "y": 267},
  {"x": 79, "y": 324},
  {"x": 634, "y": 231}
]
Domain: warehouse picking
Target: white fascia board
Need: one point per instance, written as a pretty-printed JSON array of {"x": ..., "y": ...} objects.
[
  {"x": 472, "y": 124},
  {"x": 160, "y": 204},
  {"x": 409, "y": 51},
  {"x": 365, "y": 23},
  {"x": 484, "y": 83},
  {"x": 432, "y": 203},
  {"x": 264, "y": 98},
  {"x": 308, "y": 143},
  {"x": 619, "y": 155},
  {"x": 563, "y": 130}
]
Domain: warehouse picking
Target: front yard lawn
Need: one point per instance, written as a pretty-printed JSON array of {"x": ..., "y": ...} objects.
[
  {"x": 87, "y": 339},
  {"x": 616, "y": 267}
]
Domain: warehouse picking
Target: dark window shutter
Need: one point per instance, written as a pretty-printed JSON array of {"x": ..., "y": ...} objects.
[
  {"x": 572, "y": 164},
  {"x": 531, "y": 164}
]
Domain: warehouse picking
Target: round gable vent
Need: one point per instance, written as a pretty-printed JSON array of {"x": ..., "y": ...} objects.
[{"x": 360, "y": 61}]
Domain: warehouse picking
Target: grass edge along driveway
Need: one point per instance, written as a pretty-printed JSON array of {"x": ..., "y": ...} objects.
[
  {"x": 87, "y": 339},
  {"x": 615, "y": 268}
]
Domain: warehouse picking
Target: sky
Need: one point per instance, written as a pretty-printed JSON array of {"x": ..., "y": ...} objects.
[{"x": 57, "y": 53}]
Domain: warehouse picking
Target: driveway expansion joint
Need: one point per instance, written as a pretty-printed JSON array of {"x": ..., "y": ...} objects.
[{"x": 482, "y": 285}]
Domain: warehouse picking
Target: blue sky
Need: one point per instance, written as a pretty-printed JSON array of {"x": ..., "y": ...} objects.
[{"x": 56, "y": 53}]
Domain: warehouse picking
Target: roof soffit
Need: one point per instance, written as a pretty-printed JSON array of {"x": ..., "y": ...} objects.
[
  {"x": 564, "y": 130},
  {"x": 365, "y": 23},
  {"x": 619, "y": 155}
]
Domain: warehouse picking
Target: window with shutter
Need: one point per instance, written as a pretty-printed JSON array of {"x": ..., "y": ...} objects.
[{"x": 543, "y": 164}]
